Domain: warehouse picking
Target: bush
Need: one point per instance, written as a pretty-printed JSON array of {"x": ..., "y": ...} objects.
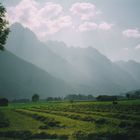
[{"x": 3, "y": 102}]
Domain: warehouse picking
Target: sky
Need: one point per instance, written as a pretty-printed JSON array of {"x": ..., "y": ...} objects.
[{"x": 111, "y": 26}]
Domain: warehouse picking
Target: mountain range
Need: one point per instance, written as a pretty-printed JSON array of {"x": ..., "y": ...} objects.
[
  {"x": 54, "y": 69},
  {"x": 20, "y": 79}
]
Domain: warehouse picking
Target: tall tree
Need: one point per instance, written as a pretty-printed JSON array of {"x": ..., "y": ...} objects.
[
  {"x": 4, "y": 30},
  {"x": 35, "y": 98}
]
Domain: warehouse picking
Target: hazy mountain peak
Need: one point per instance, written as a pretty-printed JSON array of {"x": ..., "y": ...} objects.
[
  {"x": 16, "y": 25},
  {"x": 20, "y": 30}
]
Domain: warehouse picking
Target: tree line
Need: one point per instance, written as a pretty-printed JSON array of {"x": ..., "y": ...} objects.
[{"x": 73, "y": 97}]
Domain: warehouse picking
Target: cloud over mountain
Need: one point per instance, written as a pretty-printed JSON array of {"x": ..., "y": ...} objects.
[{"x": 49, "y": 16}]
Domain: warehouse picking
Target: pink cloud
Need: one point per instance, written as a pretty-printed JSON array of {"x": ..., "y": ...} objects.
[
  {"x": 37, "y": 17},
  {"x": 86, "y": 11},
  {"x": 50, "y": 18},
  {"x": 105, "y": 26},
  {"x": 131, "y": 33},
  {"x": 87, "y": 26},
  {"x": 59, "y": 23}
]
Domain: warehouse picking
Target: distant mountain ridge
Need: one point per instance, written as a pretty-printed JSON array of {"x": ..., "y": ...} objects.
[
  {"x": 85, "y": 69},
  {"x": 23, "y": 43},
  {"x": 20, "y": 79},
  {"x": 132, "y": 67},
  {"x": 100, "y": 69}
]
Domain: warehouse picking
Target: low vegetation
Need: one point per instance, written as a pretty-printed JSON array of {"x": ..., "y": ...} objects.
[{"x": 74, "y": 121}]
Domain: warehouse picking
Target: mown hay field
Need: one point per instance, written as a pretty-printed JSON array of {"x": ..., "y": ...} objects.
[{"x": 73, "y": 121}]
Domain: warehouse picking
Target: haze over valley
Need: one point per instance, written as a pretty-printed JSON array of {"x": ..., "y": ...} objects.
[
  {"x": 58, "y": 48},
  {"x": 54, "y": 69}
]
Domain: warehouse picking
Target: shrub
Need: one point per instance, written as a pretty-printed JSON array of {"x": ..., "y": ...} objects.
[{"x": 3, "y": 102}]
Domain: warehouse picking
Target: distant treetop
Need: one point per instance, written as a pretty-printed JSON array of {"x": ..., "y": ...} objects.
[
  {"x": 4, "y": 30},
  {"x": 35, "y": 98}
]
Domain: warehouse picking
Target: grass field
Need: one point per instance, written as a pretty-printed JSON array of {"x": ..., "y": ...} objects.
[{"x": 73, "y": 121}]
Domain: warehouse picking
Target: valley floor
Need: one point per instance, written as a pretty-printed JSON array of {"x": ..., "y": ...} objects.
[{"x": 73, "y": 121}]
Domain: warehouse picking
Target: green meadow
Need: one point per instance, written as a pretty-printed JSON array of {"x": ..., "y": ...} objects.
[{"x": 73, "y": 121}]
